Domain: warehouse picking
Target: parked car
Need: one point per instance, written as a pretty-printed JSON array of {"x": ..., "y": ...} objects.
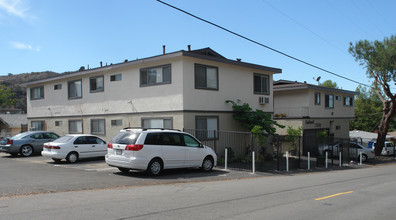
[
  {"x": 354, "y": 151},
  {"x": 388, "y": 149},
  {"x": 75, "y": 146},
  {"x": 27, "y": 143},
  {"x": 153, "y": 150}
]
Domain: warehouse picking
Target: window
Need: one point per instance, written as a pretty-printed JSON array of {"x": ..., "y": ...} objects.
[
  {"x": 96, "y": 84},
  {"x": 190, "y": 141},
  {"x": 116, "y": 122},
  {"x": 261, "y": 84},
  {"x": 58, "y": 123},
  {"x": 37, "y": 126},
  {"x": 348, "y": 101},
  {"x": 206, "y": 127},
  {"x": 117, "y": 77},
  {"x": 88, "y": 140},
  {"x": 329, "y": 101},
  {"x": 74, "y": 89},
  {"x": 206, "y": 77},
  {"x": 58, "y": 87},
  {"x": 155, "y": 75},
  {"x": 317, "y": 98},
  {"x": 163, "y": 139},
  {"x": 157, "y": 123},
  {"x": 75, "y": 127},
  {"x": 37, "y": 93},
  {"x": 338, "y": 98},
  {"x": 98, "y": 126}
]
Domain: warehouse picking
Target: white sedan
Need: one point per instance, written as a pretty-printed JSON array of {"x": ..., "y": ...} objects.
[{"x": 75, "y": 146}]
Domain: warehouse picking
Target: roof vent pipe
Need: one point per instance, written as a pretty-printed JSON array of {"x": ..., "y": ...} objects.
[
  {"x": 189, "y": 47},
  {"x": 101, "y": 64},
  {"x": 163, "y": 49}
]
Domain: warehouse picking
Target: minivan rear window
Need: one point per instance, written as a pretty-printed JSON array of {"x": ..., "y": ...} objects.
[{"x": 125, "y": 138}]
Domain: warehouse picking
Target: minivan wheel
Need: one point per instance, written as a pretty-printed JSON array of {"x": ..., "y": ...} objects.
[
  {"x": 72, "y": 157},
  {"x": 154, "y": 167},
  {"x": 124, "y": 170},
  {"x": 26, "y": 150},
  {"x": 207, "y": 164}
]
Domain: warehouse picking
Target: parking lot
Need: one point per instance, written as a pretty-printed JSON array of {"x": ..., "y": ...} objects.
[{"x": 35, "y": 174}]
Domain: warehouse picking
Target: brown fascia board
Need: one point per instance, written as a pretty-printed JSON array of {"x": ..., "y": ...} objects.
[
  {"x": 298, "y": 86},
  {"x": 154, "y": 59},
  {"x": 233, "y": 62}
]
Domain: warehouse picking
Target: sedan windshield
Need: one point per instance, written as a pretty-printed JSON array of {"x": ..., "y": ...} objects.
[{"x": 63, "y": 139}]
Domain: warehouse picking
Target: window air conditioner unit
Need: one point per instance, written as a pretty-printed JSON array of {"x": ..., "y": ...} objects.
[{"x": 263, "y": 100}]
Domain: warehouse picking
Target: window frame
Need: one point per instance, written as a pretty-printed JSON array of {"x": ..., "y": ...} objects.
[
  {"x": 42, "y": 125},
  {"x": 158, "y": 118},
  {"x": 261, "y": 92},
  {"x": 68, "y": 89},
  {"x": 327, "y": 101},
  {"x": 141, "y": 75},
  {"x": 72, "y": 121},
  {"x": 201, "y": 134},
  {"x": 41, "y": 96},
  {"x": 98, "y": 121},
  {"x": 58, "y": 123},
  {"x": 113, "y": 78},
  {"x": 317, "y": 98},
  {"x": 350, "y": 103},
  {"x": 91, "y": 90},
  {"x": 196, "y": 65},
  {"x": 114, "y": 122},
  {"x": 58, "y": 86}
]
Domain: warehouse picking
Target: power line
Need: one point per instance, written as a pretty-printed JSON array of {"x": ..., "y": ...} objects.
[
  {"x": 303, "y": 26},
  {"x": 260, "y": 44}
]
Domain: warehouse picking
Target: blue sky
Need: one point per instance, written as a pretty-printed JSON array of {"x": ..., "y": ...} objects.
[{"x": 63, "y": 35}]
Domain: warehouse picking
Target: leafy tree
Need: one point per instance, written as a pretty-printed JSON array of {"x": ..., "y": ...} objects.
[
  {"x": 379, "y": 59},
  {"x": 368, "y": 110},
  {"x": 6, "y": 96},
  {"x": 249, "y": 119},
  {"x": 293, "y": 135},
  {"x": 329, "y": 84}
]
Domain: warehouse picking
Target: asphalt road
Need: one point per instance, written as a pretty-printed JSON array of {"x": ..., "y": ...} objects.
[
  {"x": 368, "y": 193},
  {"x": 36, "y": 174}
]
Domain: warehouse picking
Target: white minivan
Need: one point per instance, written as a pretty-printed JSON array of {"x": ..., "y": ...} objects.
[{"x": 153, "y": 150}]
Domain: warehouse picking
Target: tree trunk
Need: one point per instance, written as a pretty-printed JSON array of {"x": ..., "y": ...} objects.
[{"x": 388, "y": 112}]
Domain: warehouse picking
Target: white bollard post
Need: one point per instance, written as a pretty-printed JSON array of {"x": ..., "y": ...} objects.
[
  {"x": 326, "y": 154},
  {"x": 226, "y": 158},
  {"x": 309, "y": 161},
  {"x": 360, "y": 158},
  {"x": 253, "y": 163},
  {"x": 287, "y": 161},
  {"x": 340, "y": 158}
]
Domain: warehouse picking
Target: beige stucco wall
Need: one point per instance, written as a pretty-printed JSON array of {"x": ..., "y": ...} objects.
[
  {"x": 293, "y": 123},
  {"x": 128, "y": 120},
  {"x": 119, "y": 97},
  {"x": 298, "y": 103},
  {"x": 235, "y": 83},
  {"x": 128, "y": 101}
]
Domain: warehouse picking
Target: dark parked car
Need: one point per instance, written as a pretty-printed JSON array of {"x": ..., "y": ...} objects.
[{"x": 27, "y": 143}]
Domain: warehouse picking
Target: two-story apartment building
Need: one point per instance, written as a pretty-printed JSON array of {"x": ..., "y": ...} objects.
[
  {"x": 314, "y": 109},
  {"x": 183, "y": 89}
]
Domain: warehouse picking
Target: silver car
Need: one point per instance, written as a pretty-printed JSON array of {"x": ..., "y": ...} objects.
[
  {"x": 27, "y": 143},
  {"x": 353, "y": 151}
]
